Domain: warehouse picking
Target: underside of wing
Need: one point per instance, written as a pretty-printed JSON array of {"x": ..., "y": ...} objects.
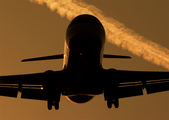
[
  {"x": 8, "y": 91},
  {"x": 31, "y": 86},
  {"x": 132, "y": 76},
  {"x": 132, "y": 83}
]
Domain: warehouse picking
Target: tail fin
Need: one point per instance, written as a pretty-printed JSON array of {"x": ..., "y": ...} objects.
[
  {"x": 60, "y": 56},
  {"x": 115, "y": 56}
]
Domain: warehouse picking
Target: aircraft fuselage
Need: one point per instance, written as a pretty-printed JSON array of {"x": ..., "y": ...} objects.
[{"x": 85, "y": 38}]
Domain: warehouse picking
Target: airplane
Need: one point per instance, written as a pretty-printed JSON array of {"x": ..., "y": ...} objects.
[{"x": 83, "y": 76}]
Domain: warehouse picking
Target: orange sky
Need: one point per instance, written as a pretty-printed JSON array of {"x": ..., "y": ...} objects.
[{"x": 31, "y": 30}]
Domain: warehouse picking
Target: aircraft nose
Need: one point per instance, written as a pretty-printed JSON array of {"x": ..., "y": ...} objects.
[
  {"x": 84, "y": 18},
  {"x": 85, "y": 34},
  {"x": 85, "y": 30}
]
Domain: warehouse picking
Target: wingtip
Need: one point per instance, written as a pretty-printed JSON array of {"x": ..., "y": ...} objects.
[{"x": 23, "y": 60}]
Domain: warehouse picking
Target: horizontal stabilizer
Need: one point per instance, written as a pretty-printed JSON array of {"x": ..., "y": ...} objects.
[
  {"x": 114, "y": 56},
  {"x": 60, "y": 56}
]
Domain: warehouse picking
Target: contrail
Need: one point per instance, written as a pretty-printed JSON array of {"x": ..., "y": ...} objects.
[{"x": 116, "y": 32}]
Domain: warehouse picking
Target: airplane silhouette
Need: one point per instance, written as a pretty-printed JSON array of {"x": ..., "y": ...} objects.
[{"x": 83, "y": 76}]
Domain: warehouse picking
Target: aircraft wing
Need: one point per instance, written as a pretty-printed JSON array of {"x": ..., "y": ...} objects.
[
  {"x": 132, "y": 83},
  {"x": 30, "y": 85}
]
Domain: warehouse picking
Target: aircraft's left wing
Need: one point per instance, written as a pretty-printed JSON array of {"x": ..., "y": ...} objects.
[
  {"x": 132, "y": 83},
  {"x": 29, "y": 84}
]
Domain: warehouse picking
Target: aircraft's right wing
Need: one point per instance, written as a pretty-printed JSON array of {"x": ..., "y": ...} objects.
[
  {"x": 131, "y": 83},
  {"x": 29, "y": 84}
]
